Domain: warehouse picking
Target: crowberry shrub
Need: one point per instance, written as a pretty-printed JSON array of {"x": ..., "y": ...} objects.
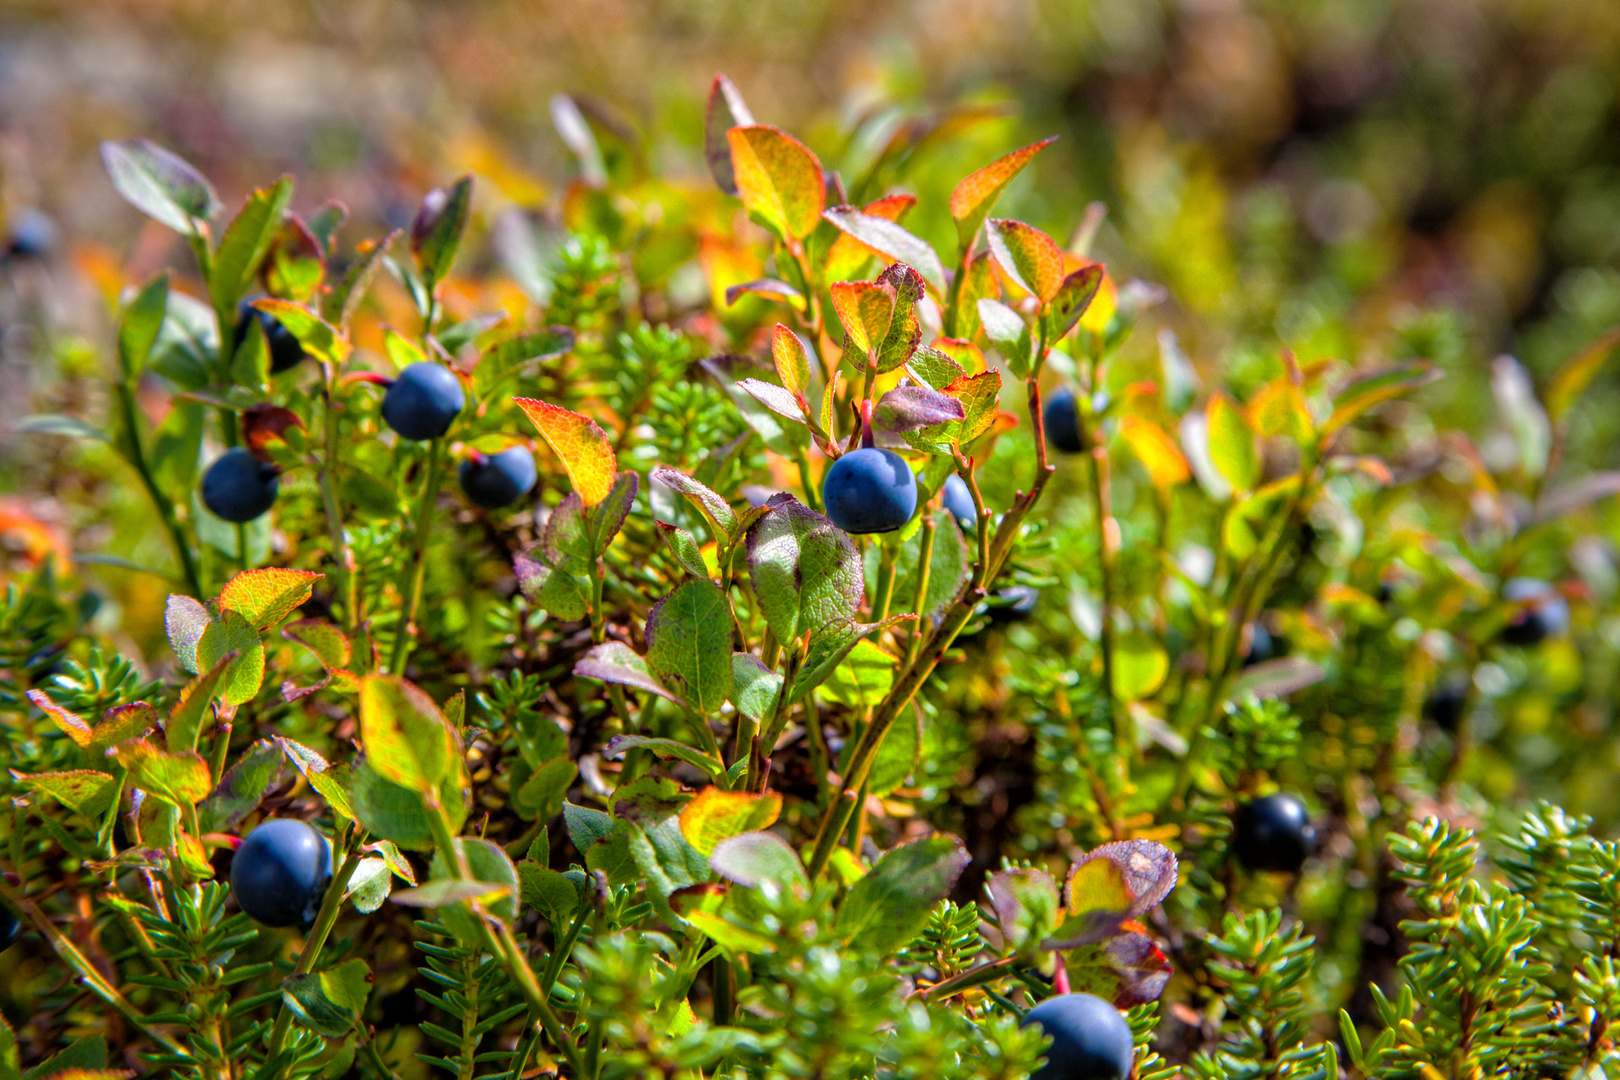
[{"x": 813, "y": 718}]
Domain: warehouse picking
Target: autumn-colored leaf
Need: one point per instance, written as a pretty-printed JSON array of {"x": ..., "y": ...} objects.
[
  {"x": 792, "y": 356},
  {"x": 266, "y": 596},
  {"x": 977, "y": 193},
  {"x": 1029, "y": 257},
  {"x": 263, "y": 424},
  {"x": 865, "y": 309},
  {"x": 582, "y": 445},
  {"x": 847, "y": 255},
  {"x": 778, "y": 179},
  {"x": 1156, "y": 450}
]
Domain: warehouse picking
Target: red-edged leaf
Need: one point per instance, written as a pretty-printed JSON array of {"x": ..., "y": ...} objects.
[
  {"x": 778, "y": 179},
  {"x": 1033, "y": 260},
  {"x": 582, "y": 445},
  {"x": 976, "y": 195},
  {"x": 891, "y": 240}
]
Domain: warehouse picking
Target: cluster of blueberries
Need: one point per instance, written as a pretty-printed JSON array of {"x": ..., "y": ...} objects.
[{"x": 420, "y": 404}]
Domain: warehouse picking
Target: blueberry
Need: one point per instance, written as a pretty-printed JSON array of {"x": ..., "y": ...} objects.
[
  {"x": 1013, "y": 604},
  {"x": 1262, "y": 646},
  {"x": 10, "y": 927},
  {"x": 1272, "y": 833},
  {"x": 1091, "y": 1039},
  {"x": 959, "y": 501},
  {"x": 238, "y": 486},
  {"x": 423, "y": 401},
  {"x": 280, "y": 873},
  {"x": 1445, "y": 705},
  {"x": 496, "y": 480},
  {"x": 285, "y": 351},
  {"x": 32, "y": 235},
  {"x": 870, "y": 491},
  {"x": 1544, "y": 614},
  {"x": 1062, "y": 422}
]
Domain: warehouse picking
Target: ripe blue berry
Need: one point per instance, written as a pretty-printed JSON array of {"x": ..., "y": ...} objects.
[
  {"x": 496, "y": 480},
  {"x": 1545, "y": 612},
  {"x": 1263, "y": 645},
  {"x": 1013, "y": 604},
  {"x": 238, "y": 486},
  {"x": 870, "y": 491},
  {"x": 423, "y": 401},
  {"x": 1445, "y": 705},
  {"x": 1062, "y": 422},
  {"x": 32, "y": 235},
  {"x": 1272, "y": 833},
  {"x": 285, "y": 351},
  {"x": 959, "y": 501},
  {"x": 280, "y": 873},
  {"x": 9, "y": 927},
  {"x": 1090, "y": 1039}
]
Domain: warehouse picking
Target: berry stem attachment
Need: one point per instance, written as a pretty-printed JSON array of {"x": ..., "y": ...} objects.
[
  {"x": 867, "y": 440},
  {"x": 415, "y": 570}
]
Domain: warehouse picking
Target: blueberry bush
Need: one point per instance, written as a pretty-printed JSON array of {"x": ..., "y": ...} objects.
[{"x": 874, "y": 661}]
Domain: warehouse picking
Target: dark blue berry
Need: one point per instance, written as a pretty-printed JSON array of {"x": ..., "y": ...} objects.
[
  {"x": 1062, "y": 422},
  {"x": 280, "y": 873},
  {"x": 1013, "y": 604},
  {"x": 1091, "y": 1039},
  {"x": 32, "y": 235},
  {"x": 285, "y": 351},
  {"x": 1445, "y": 705},
  {"x": 238, "y": 486},
  {"x": 1263, "y": 645},
  {"x": 870, "y": 491},
  {"x": 9, "y": 927},
  {"x": 1272, "y": 833},
  {"x": 1544, "y": 612},
  {"x": 498, "y": 480},
  {"x": 423, "y": 401},
  {"x": 959, "y": 501}
]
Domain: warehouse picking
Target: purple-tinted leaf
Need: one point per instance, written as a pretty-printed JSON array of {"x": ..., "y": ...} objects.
[
  {"x": 608, "y": 516},
  {"x": 775, "y": 398},
  {"x": 905, "y": 330},
  {"x": 714, "y": 508},
  {"x": 1025, "y": 905},
  {"x": 891, "y": 240},
  {"x": 1148, "y": 869},
  {"x": 726, "y": 110},
  {"x": 769, "y": 288},
  {"x": 1128, "y": 969},
  {"x": 185, "y": 620},
  {"x": 912, "y": 408},
  {"x": 616, "y": 662}
]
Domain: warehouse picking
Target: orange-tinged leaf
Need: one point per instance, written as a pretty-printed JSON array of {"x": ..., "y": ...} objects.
[
  {"x": 977, "y": 193},
  {"x": 727, "y": 265},
  {"x": 69, "y": 721},
  {"x": 1031, "y": 260},
  {"x": 865, "y": 308},
  {"x": 716, "y": 815},
  {"x": 1156, "y": 450},
  {"x": 1102, "y": 308},
  {"x": 964, "y": 352},
  {"x": 266, "y": 596},
  {"x": 890, "y": 240},
  {"x": 1578, "y": 372},
  {"x": 791, "y": 354},
  {"x": 182, "y": 779},
  {"x": 1279, "y": 409},
  {"x": 581, "y": 444},
  {"x": 978, "y": 395},
  {"x": 778, "y": 179},
  {"x": 847, "y": 254}
]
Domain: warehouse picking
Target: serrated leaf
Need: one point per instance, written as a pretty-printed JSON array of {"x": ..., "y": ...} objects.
[
  {"x": 326, "y": 641},
  {"x": 949, "y": 566},
  {"x": 241, "y": 788},
  {"x": 181, "y": 779},
  {"x": 717, "y": 815},
  {"x": 1127, "y": 969},
  {"x": 933, "y": 368},
  {"x": 979, "y": 395},
  {"x": 829, "y": 647},
  {"x": 407, "y": 739},
  {"x": 489, "y": 864},
  {"x": 804, "y": 570},
  {"x": 245, "y": 243},
  {"x": 976, "y": 195},
  {"x": 121, "y": 723},
  {"x": 580, "y": 443},
  {"x": 616, "y": 662},
  {"x": 264, "y": 597},
  {"x": 864, "y": 309},
  {"x": 905, "y": 328},
  {"x": 778, "y": 179},
  {"x": 388, "y": 810},
  {"x": 552, "y": 893},
  {"x": 756, "y": 857},
  {"x": 160, "y": 184},
  {"x": 726, "y": 110},
  {"x": 890, "y": 240},
  {"x": 887, "y": 907},
  {"x": 689, "y": 641},
  {"x": 542, "y": 794},
  {"x": 1031, "y": 259},
  {"x": 713, "y": 507},
  {"x": 90, "y": 793}
]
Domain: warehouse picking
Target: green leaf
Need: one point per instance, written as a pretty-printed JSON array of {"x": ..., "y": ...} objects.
[
  {"x": 554, "y": 894},
  {"x": 407, "y": 739},
  {"x": 241, "y": 788},
  {"x": 541, "y": 795},
  {"x": 181, "y": 779},
  {"x": 666, "y": 749},
  {"x": 976, "y": 195},
  {"x": 1033, "y": 260},
  {"x": 684, "y": 547},
  {"x": 716, "y": 815},
  {"x": 57, "y": 424},
  {"x": 1231, "y": 443},
  {"x": 319, "y": 338},
  {"x": 139, "y": 324},
  {"x": 689, "y": 641},
  {"x": 666, "y": 859},
  {"x": 885, "y": 909},
  {"x": 828, "y": 647},
  {"x": 369, "y": 885},
  {"x": 1009, "y": 335},
  {"x": 88, "y": 1054},
  {"x": 934, "y": 369},
  {"x": 778, "y": 179},
  {"x": 1375, "y": 389},
  {"x": 864, "y": 677},
  {"x": 339, "y": 304},
  {"x": 1140, "y": 665},
  {"x": 586, "y": 826},
  {"x": 159, "y": 184},
  {"x": 905, "y": 328},
  {"x": 489, "y": 864},
  {"x": 228, "y": 634},
  {"x": 1073, "y": 297},
  {"x": 754, "y": 686},
  {"x": 243, "y": 247},
  {"x": 436, "y": 232},
  {"x": 1026, "y": 906},
  {"x": 865, "y": 310},
  {"x": 898, "y": 755},
  {"x": 90, "y": 793},
  {"x": 399, "y": 814},
  {"x": 331, "y": 783},
  {"x": 715, "y": 510},
  {"x": 949, "y": 566},
  {"x": 331, "y": 1001},
  {"x": 616, "y": 662},
  {"x": 608, "y": 516},
  {"x": 804, "y": 570},
  {"x": 756, "y": 857}
]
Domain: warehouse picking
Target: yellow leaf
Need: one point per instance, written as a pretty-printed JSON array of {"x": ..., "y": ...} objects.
[
  {"x": 778, "y": 179},
  {"x": 1156, "y": 450},
  {"x": 581, "y": 444},
  {"x": 264, "y": 597},
  {"x": 716, "y": 815},
  {"x": 1279, "y": 409},
  {"x": 1231, "y": 443}
]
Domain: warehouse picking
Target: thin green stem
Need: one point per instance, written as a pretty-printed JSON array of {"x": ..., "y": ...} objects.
[
  {"x": 925, "y": 561},
  {"x": 342, "y": 561},
  {"x": 135, "y": 454},
  {"x": 416, "y": 569}
]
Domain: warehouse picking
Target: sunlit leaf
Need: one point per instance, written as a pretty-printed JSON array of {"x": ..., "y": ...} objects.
[
  {"x": 778, "y": 179},
  {"x": 582, "y": 445}
]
